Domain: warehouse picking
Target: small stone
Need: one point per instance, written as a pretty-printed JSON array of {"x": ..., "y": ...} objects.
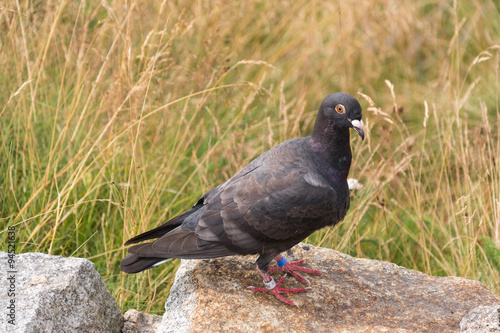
[{"x": 138, "y": 322}]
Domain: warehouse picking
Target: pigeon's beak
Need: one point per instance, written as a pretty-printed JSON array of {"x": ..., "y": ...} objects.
[{"x": 358, "y": 127}]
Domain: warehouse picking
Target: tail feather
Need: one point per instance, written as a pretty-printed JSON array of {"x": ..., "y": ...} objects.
[
  {"x": 182, "y": 245},
  {"x": 178, "y": 244},
  {"x": 134, "y": 264},
  {"x": 164, "y": 228},
  {"x": 176, "y": 239}
]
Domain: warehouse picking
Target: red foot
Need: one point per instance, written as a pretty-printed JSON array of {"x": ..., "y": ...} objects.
[
  {"x": 276, "y": 291},
  {"x": 293, "y": 266}
]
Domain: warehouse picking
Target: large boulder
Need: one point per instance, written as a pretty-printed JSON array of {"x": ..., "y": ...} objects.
[
  {"x": 56, "y": 294},
  {"x": 354, "y": 295}
]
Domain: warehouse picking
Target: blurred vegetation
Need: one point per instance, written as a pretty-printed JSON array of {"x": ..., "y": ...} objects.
[{"x": 117, "y": 115}]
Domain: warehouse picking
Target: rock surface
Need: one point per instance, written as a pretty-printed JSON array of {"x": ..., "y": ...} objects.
[
  {"x": 482, "y": 319},
  {"x": 56, "y": 294},
  {"x": 181, "y": 303},
  {"x": 355, "y": 295},
  {"x": 138, "y": 322}
]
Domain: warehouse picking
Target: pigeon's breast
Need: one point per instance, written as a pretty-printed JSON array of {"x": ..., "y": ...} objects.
[{"x": 327, "y": 175}]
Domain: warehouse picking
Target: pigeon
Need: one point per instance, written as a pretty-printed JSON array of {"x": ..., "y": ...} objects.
[{"x": 269, "y": 206}]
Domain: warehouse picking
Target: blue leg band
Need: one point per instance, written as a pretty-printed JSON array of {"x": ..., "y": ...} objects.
[{"x": 282, "y": 262}]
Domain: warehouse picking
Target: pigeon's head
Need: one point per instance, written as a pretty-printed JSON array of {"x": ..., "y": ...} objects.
[{"x": 339, "y": 110}]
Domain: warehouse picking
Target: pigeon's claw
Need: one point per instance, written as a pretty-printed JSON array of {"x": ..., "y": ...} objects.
[
  {"x": 277, "y": 291},
  {"x": 292, "y": 268}
]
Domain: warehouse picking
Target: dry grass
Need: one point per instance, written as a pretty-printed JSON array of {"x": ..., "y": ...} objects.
[{"x": 117, "y": 116}]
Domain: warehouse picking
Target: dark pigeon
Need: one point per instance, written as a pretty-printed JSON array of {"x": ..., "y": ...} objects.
[{"x": 273, "y": 203}]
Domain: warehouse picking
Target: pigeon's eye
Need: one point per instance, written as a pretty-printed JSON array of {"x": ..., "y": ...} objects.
[{"x": 340, "y": 109}]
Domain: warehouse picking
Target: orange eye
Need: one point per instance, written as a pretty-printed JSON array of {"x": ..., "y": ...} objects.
[{"x": 340, "y": 109}]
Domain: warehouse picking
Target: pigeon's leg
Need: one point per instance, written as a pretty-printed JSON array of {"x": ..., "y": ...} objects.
[
  {"x": 292, "y": 268},
  {"x": 274, "y": 288}
]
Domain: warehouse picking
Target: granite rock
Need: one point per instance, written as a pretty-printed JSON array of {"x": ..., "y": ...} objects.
[
  {"x": 354, "y": 295},
  {"x": 482, "y": 319},
  {"x": 138, "y": 322},
  {"x": 181, "y": 303},
  {"x": 56, "y": 294}
]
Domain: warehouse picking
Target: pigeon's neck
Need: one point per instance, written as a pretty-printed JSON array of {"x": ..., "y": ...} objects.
[{"x": 333, "y": 149}]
